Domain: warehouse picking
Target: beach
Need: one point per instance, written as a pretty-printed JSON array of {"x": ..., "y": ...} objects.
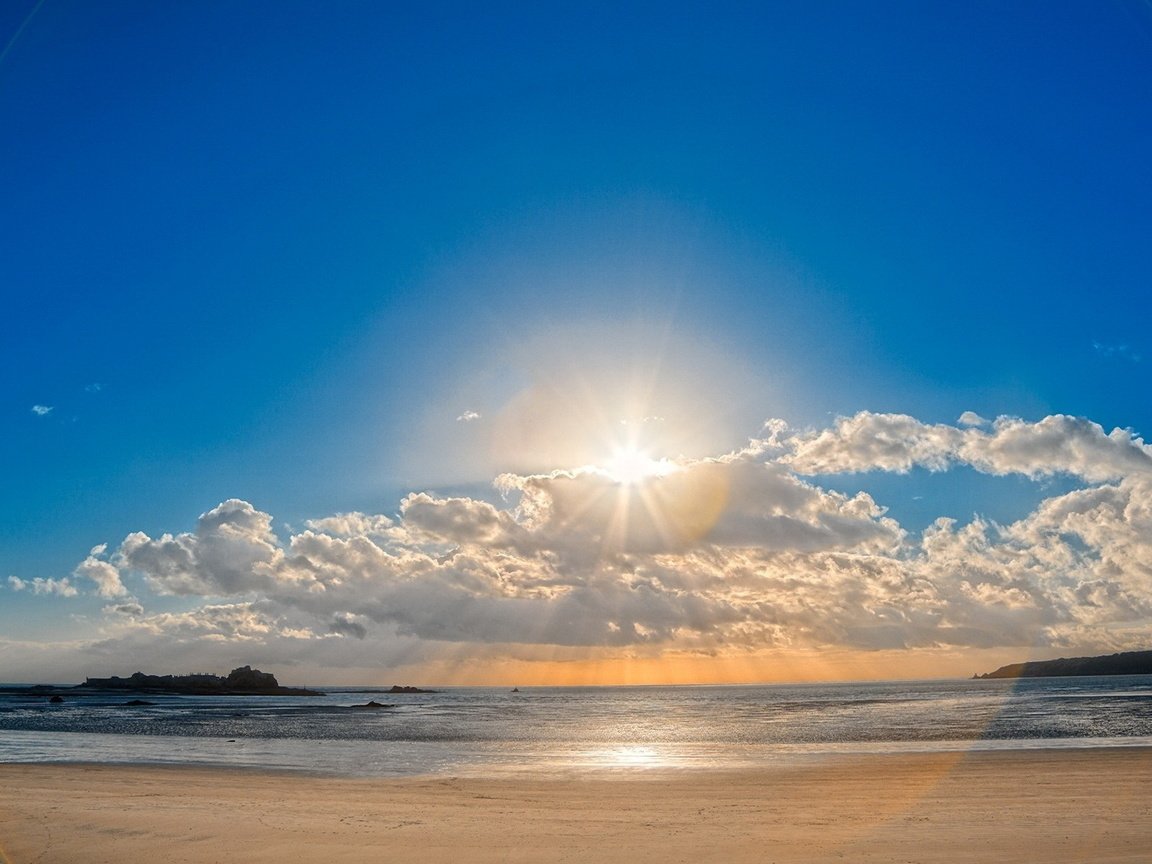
[{"x": 1058, "y": 805}]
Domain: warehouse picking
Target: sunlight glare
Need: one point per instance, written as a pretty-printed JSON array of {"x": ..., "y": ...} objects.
[
  {"x": 629, "y": 466},
  {"x": 627, "y": 757}
]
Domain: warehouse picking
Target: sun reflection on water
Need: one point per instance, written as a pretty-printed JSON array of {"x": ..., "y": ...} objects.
[{"x": 630, "y": 756}]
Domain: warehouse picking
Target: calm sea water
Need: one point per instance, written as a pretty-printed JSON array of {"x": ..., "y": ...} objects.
[{"x": 558, "y": 730}]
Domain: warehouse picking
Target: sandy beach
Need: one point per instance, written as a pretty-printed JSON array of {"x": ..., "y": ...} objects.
[{"x": 1023, "y": 806}]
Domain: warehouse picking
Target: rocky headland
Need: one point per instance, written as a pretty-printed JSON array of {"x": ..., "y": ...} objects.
[{"x": 1126, "y": 663}]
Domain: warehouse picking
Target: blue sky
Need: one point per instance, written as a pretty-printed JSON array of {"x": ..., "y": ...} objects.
[{"x": 273, "y": 251}]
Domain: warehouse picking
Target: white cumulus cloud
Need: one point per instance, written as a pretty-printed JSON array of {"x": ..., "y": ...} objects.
[
  {"x": 1058, "y": 444},
  {"x": 105, "y": 575},
  {"x": 352, "y": 524},
  {"x": 743, "y": 550},
  {"x": 40, "y": 585}
]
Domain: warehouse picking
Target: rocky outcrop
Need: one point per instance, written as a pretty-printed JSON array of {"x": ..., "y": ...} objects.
[
  {"x": 247, "y": 678},
  {"x": 244, "y": 681}
]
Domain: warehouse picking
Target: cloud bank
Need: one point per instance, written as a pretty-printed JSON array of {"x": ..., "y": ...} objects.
[{"x": 740, "y": 552}]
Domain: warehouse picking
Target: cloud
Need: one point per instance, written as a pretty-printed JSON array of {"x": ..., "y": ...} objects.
[
  {"x": 58, "y": 587},
  {"x": 233, "y": 550},
  {"x": 105, "y": 575},
  {"x": 458, "y": 520},
  {"x": 347, "y": 625},
  {"x": 41, "y": 410},
  {"x": 741, "y": 551},
  {"x": 971, "y": 418},
  {"x": 876, "y": 442},
  {"x": 1119, "y": 350},
  {"x": 468, "y": 417},
  {"x": 229, "y": 622},
  {"x": 132, "y": 610},
  {"x": 1058, "y": 444},
  {"x": 352, "y": 524}
]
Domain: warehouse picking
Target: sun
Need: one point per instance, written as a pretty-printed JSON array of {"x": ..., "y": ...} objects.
[{"x": 629, "y": 466}]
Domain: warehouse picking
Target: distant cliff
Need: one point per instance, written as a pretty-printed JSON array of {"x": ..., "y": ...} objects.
[
  {"x": 1128, "y": 663},
  {"x": 244, "y": 681}
]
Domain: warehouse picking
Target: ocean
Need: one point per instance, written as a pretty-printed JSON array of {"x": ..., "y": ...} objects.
[{"x": 574, "y": 730}]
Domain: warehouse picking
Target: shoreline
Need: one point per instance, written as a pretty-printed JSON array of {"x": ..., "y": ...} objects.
[
  {"x": 357, "y": 759},
  {"x": 1056, "y": 805},
  {"x": 364, "y": 760}
]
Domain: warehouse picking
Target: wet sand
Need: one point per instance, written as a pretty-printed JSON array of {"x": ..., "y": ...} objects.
[{"x": 1020, "y": 806}]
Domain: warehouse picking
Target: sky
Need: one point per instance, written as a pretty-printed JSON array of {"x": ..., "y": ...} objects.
[{"x": 561, "y": 343}]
